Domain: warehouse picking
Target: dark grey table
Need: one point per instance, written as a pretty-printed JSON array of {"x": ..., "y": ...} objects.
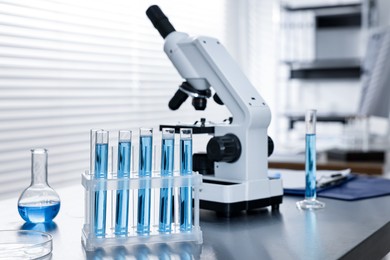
[{"x": 348, "y": 230}]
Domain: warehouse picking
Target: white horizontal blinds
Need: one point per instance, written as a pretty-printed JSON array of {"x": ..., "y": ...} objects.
[
  {"x": 67, "y": 66},
  {"x": 262, "y": 44},
  {"x": 262, "y": 52}
]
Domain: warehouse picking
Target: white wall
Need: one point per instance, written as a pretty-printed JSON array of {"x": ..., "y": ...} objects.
[{"x": 384, "y": 12}]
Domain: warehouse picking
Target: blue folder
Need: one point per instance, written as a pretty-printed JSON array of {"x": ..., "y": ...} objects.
[{"x": 356, "y": 187}]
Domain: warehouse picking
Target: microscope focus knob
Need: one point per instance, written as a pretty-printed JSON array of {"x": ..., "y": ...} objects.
[
  {"x": 271, "y": 146},
  {"x": 225, "y": 148}
]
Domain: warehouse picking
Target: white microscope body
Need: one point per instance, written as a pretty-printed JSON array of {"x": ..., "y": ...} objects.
[{"x": 240, "y": 180}]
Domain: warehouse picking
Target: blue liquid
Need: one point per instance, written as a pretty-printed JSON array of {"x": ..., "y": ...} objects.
[
  {"x": 101, "y": 168},
  {"x": 186, "y": 192},
  {"x": 167, "y": 156},
  {"x": 101, "y": 160},
  {"x": 39, "y": 213},
  {"x": 145, "y": 170},
  {"x": 122, "y": 196},
  {"x": 124, "y": 159},
  {"x": 310, "y": 167}
]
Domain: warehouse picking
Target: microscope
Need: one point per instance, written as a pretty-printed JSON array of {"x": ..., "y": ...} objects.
[{"x": 236, "y": 177}]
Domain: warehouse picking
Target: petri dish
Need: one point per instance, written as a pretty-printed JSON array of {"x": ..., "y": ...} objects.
[{"x": 24, "y": 244}]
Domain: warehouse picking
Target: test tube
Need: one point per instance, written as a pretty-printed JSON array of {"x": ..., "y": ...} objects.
[
  {"x": 101, "y": 169},
  {"x": 92, "y": 139},
  {"x": 167, "y": 159},
  {"x": 145, "y": 170},
  {"x": 122, "y": 202},
  {"x": 185, "y": 169},
  {"x": 92, "y": 143},
  {"x": 310, "y": 201}
]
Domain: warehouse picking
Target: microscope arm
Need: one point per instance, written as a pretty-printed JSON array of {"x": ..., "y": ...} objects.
[{"x": 203, "y": 62}]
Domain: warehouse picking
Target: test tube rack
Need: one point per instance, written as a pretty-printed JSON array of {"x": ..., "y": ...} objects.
[{"x": 113, "y": 184}]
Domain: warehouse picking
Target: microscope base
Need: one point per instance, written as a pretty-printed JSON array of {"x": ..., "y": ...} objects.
[
  {"x": 228, "y": 198},
  {"x": 229, "y": 209}
]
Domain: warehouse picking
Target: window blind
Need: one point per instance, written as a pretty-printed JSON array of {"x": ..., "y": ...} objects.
[
  {"x": 68, "y": 66},
  {"x": 255, "y": 25},
  {"x": 262, "y": 42}
]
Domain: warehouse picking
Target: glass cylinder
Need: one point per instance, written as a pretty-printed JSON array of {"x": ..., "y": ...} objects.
[
  {"x": 311, "y": 162},
  {"x": 310, "y": 201},
  {"x": 311, "y": 121},
  {"x": 39, "y": 203}
]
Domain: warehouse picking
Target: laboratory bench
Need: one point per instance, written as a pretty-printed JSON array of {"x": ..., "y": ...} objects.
[{"x": 342, "y": 230}]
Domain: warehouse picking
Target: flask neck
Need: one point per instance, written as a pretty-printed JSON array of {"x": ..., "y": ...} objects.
[{"x": 38, "y": 166}]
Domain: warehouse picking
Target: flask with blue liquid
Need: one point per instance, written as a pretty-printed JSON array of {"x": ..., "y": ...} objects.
[{"x": 39, "y": 203}]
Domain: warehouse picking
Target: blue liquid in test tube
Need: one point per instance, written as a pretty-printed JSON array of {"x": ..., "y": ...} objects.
[
  {"x": 122, "y": 196},
  {"x": 310, "y": 202},
  {"x": 101, "y": 168},
  {"x": 185, "y": 169},
  {"x": 167, "y": 158},
  {"x": 145, "y": 170},
  {"x": 310, "y": 167}
]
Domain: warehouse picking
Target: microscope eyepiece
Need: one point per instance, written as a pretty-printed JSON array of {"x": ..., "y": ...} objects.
[{"x": 159, "y": 21}]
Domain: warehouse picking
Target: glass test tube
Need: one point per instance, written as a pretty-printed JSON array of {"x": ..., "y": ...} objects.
[
  {"x": 92, "y": 143},
  {"x": 101, "y": 168},
  {"x": 310, "y": 201},
  {"x": 145, "y": 170},
  {"x": 185, "y": 169},
  {"x": 122, "y": 202},
  {"x": 167, "y": 159},
  {"x": 92, "y": 140}
]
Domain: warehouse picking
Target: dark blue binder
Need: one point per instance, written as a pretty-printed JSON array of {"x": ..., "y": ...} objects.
[{"x": 361, "y": 187}]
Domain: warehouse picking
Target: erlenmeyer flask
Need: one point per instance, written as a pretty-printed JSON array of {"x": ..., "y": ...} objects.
[{"x": 38, "y": 203}]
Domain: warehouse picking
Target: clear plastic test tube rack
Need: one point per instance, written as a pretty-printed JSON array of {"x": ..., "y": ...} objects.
[{"x": 156, "y": 183}]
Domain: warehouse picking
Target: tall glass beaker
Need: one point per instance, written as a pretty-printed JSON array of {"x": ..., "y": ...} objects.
[{"x": 310, "y": 202}]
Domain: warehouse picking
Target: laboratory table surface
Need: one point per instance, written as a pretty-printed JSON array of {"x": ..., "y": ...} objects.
[{"x": 347, "y": 230}]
